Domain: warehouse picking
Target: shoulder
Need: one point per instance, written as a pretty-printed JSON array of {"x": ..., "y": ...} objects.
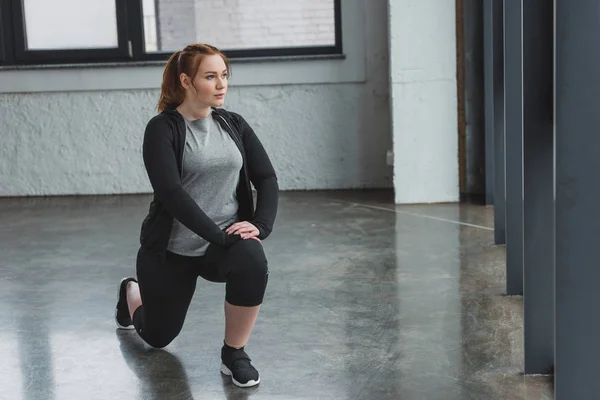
[
  {"x": 160, "y": 123},
  {"x": 161, "y": 119},
  {"x": 160, "y": 129}
]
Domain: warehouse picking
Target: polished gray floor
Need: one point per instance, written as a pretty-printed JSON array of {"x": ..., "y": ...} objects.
[{"x": 366, "y": 300}]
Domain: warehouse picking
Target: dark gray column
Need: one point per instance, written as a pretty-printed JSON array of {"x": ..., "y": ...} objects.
[
  {"x": 513, "y": 79},
  {"x": 499, "y": 181},
  {"x": 488, "y": 98},
  {"x": 475, "y": 180},
  {"x": 577, "y": 200},
  {"x": 493, "y": 30},
  {"x": 538, "y": 208},
  {"x": 499, "y": 156}
]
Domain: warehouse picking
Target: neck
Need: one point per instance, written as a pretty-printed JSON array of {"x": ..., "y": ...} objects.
[{"x": 192, "y": 112}]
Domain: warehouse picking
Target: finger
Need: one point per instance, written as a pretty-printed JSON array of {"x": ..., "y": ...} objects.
[
  {"x": 242, "y": 231},
  {"x": 246, "y": 228},
  {"x": 233, "y": 227},
  {"x": 255, "y": 238},
  {"x": 249, "y": 235}
]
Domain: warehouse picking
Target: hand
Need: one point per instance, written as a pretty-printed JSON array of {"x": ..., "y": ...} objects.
[{"x": 245, "y": 229}]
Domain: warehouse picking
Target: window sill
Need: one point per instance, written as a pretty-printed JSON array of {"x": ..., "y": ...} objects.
[
  {"x": 131, "y": 64},
  {"x": 349, "y": 68}
]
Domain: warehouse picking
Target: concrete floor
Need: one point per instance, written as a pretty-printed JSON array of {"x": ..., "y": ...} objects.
[{"x": 366, "y": 300}]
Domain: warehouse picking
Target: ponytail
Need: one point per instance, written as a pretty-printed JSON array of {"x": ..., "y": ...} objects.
[
  {"x": 186, "y": 61},
  {"x": 172, "y": 93}
]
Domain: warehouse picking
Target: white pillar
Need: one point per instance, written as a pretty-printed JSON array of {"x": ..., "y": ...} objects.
[{"x": 423, "y": 100}]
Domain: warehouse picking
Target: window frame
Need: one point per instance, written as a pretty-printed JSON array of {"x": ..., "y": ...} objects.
[
  {"x": 22, "y": 55},
  {"x": 6, "y": 48},
  {"x": 131, "y": 47}
]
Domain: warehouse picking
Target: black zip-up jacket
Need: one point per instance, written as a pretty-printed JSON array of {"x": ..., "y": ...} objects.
[{"x": 164, "y": 143}]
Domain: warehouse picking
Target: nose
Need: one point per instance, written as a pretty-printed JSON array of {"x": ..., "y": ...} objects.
[{"x": 220, "y": 83}]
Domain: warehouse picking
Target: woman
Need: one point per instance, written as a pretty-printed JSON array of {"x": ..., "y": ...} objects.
[{"x": 201, "y": 161}]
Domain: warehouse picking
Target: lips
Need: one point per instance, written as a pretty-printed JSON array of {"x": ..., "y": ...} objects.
[{"x": 220, "y": 95}]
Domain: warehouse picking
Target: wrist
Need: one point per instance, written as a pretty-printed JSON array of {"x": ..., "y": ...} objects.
[{"x": 230, "y": 239}]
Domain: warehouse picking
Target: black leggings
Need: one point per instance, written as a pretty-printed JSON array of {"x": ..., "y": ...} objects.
[{"x": 167, "y": 287}]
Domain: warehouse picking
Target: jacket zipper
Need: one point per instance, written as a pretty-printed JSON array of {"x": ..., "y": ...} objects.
[
  {"x": 241, "y": 147},
  {"x": 182, "y": 152},
  {"x": 233, "y": 135}
]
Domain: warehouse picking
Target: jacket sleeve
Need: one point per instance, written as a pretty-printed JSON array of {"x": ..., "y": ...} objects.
[
  {"x": 161, "y": 165},
  {"x": 263, "y": 177}
]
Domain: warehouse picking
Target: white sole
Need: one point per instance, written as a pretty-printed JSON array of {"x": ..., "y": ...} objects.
[
  {"x": 130, "y": 327},
  {"x": 226, "y": 371}
]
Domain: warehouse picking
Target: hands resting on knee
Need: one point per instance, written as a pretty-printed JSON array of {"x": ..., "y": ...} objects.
[{"x": 245, "y": 229}]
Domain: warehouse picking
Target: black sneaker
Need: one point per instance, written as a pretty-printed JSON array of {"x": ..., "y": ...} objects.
[
  {"x": 122, "y": 317},
  {"x": 236, "y": 363}
]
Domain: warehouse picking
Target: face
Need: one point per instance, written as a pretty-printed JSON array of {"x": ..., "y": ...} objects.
[{"x": 210, "y": 84}]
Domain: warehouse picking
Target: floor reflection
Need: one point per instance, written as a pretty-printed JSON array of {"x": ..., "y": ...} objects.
[
  {"x": 364, "y": 302},
  {"x": 160, "y": 373}
]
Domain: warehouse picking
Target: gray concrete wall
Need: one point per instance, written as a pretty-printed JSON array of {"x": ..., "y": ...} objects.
[{"x": 319, "y": 135}]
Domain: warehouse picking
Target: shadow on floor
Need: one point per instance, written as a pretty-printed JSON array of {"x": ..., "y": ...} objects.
[{"x": 162, "y": 375}]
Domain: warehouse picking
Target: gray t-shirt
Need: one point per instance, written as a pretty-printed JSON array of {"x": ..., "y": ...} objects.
[{"x": 211, "y": 170}]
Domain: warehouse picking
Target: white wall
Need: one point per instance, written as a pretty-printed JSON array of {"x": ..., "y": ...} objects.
[
  {"x": 265, "y": 23},
  {"x": 423, "y": 100},
  {"x": 234, "y": 24},
  {"x": 329, "y": 130}
]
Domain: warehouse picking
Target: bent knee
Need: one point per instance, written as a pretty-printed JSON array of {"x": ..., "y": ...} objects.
[
  {"x": 249, "y": 256},
  {"x": 158, "y": 340},
  {"x": 161, "y": 343},
  {"x": 159, "y": 336}
]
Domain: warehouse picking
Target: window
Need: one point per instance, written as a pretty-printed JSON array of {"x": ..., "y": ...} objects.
[
  {"x": 89, "y": 31},
  {"x": 96, "y": 22},
  {"x": 68, "y": 31}
]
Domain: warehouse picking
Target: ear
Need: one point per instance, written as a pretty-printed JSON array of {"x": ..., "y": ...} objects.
[{"x": 185, "y": 81}]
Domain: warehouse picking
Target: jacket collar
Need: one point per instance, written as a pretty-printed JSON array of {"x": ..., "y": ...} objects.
[{"x": 173, "y": 113}]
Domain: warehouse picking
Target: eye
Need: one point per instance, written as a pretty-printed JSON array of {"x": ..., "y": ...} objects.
[
  {"x": 210, "y": 76},
  {"x": 225, "y": 76}
]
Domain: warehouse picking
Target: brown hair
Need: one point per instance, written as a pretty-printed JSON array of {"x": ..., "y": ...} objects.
[{"x": 186, "y": 61}]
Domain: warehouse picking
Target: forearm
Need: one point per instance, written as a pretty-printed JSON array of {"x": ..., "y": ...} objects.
[
  {"x": 263, "y": 177},
  {"x": 267, "y": 200},
  {"x": 183, "y": 208}
]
